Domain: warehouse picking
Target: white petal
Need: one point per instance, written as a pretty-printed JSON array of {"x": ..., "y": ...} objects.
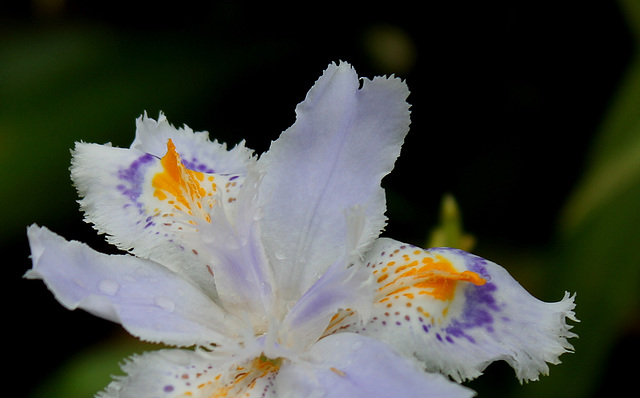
[
  {"x": 196, "y": 374},
  {"x": 349, "y": 365},
  {"x": 458, "y": 312},
  {"x": 165, "y": 373},
  {"x": 150, "y": 301},
  {"x": 197, "y": 152},
  {"x": 128, "y": 195},
  {"x": 345, "y": 139}
]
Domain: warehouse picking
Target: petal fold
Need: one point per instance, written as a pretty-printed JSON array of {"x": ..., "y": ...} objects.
[
  {"x": 458, "y": 312},
  {"x": 344, "y": 140},
  {"x": 242, "y": 273},
  {"x": 150, "y": 301},
  {"x": 343, "y": 293}
]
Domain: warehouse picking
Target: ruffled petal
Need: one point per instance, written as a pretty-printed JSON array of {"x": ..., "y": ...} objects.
[
  {"x": 196, "y": 374},
  {"x": 350, "y": 365},
  {"x": 197, "y": 152},
  {"x": 153, "y": 205},
  {"x": 150, "y": 301},
  {"x": 458, "y": 312},
  {"x": 345, "y": 139}
]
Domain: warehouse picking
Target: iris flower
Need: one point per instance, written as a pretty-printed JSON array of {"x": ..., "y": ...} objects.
[{"x": 266, "y": 276}]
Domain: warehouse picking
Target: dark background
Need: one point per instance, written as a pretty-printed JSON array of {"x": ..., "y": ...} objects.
[{"x": 506, "y": 100}]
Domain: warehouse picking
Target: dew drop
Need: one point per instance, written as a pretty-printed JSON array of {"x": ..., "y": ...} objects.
[
  {"x": 108, "y": 286},
  {"x": 165, "y": 304},
  {"x": 258, "y": 214}
]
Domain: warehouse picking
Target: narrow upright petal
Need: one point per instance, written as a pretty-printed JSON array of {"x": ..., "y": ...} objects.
[
  {"x": 242, "y": 273},
  {"x": 458, "y": 312},
  {"x": 150, "y": 301},
  {"x": 345, "y": 139}
]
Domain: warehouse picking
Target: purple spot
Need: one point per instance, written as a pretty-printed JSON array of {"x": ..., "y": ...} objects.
[
  {"x": 133, "y": 177},
  {"x": 168, "y": 388},
  {"x": 194, "y": 165},
  {"x": 480, "y": 302},
  {"x": 425, "y": 328}
]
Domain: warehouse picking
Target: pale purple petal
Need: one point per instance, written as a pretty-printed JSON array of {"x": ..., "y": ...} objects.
[
  {"x": 345, "y": 139},
  {"x": 150, "y": 301},
  {"x": 341, "y": 287},
  {"x": 242, "y": 273},
  {"x": 485, "y": 316},
  {"x": 346, "y": 286},
  {"x": 350, "y": 365}
]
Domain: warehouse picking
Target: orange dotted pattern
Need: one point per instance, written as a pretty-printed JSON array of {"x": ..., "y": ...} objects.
[{"x": 412, "y": 283}]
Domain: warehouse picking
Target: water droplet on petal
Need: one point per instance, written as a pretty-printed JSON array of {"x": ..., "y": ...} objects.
[
  {"x": 165, "y": 304},
  {"x": 258, "y": 214},
  {"x": 108, "y": 286}
]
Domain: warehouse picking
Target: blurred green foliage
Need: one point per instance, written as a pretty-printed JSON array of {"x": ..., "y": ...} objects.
[
  {"x": 597, "y": 250},
  {"x": 77, "y": 83},
  {"x": 61, "y": 83},
  {"x": 89, "y": 371}
]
